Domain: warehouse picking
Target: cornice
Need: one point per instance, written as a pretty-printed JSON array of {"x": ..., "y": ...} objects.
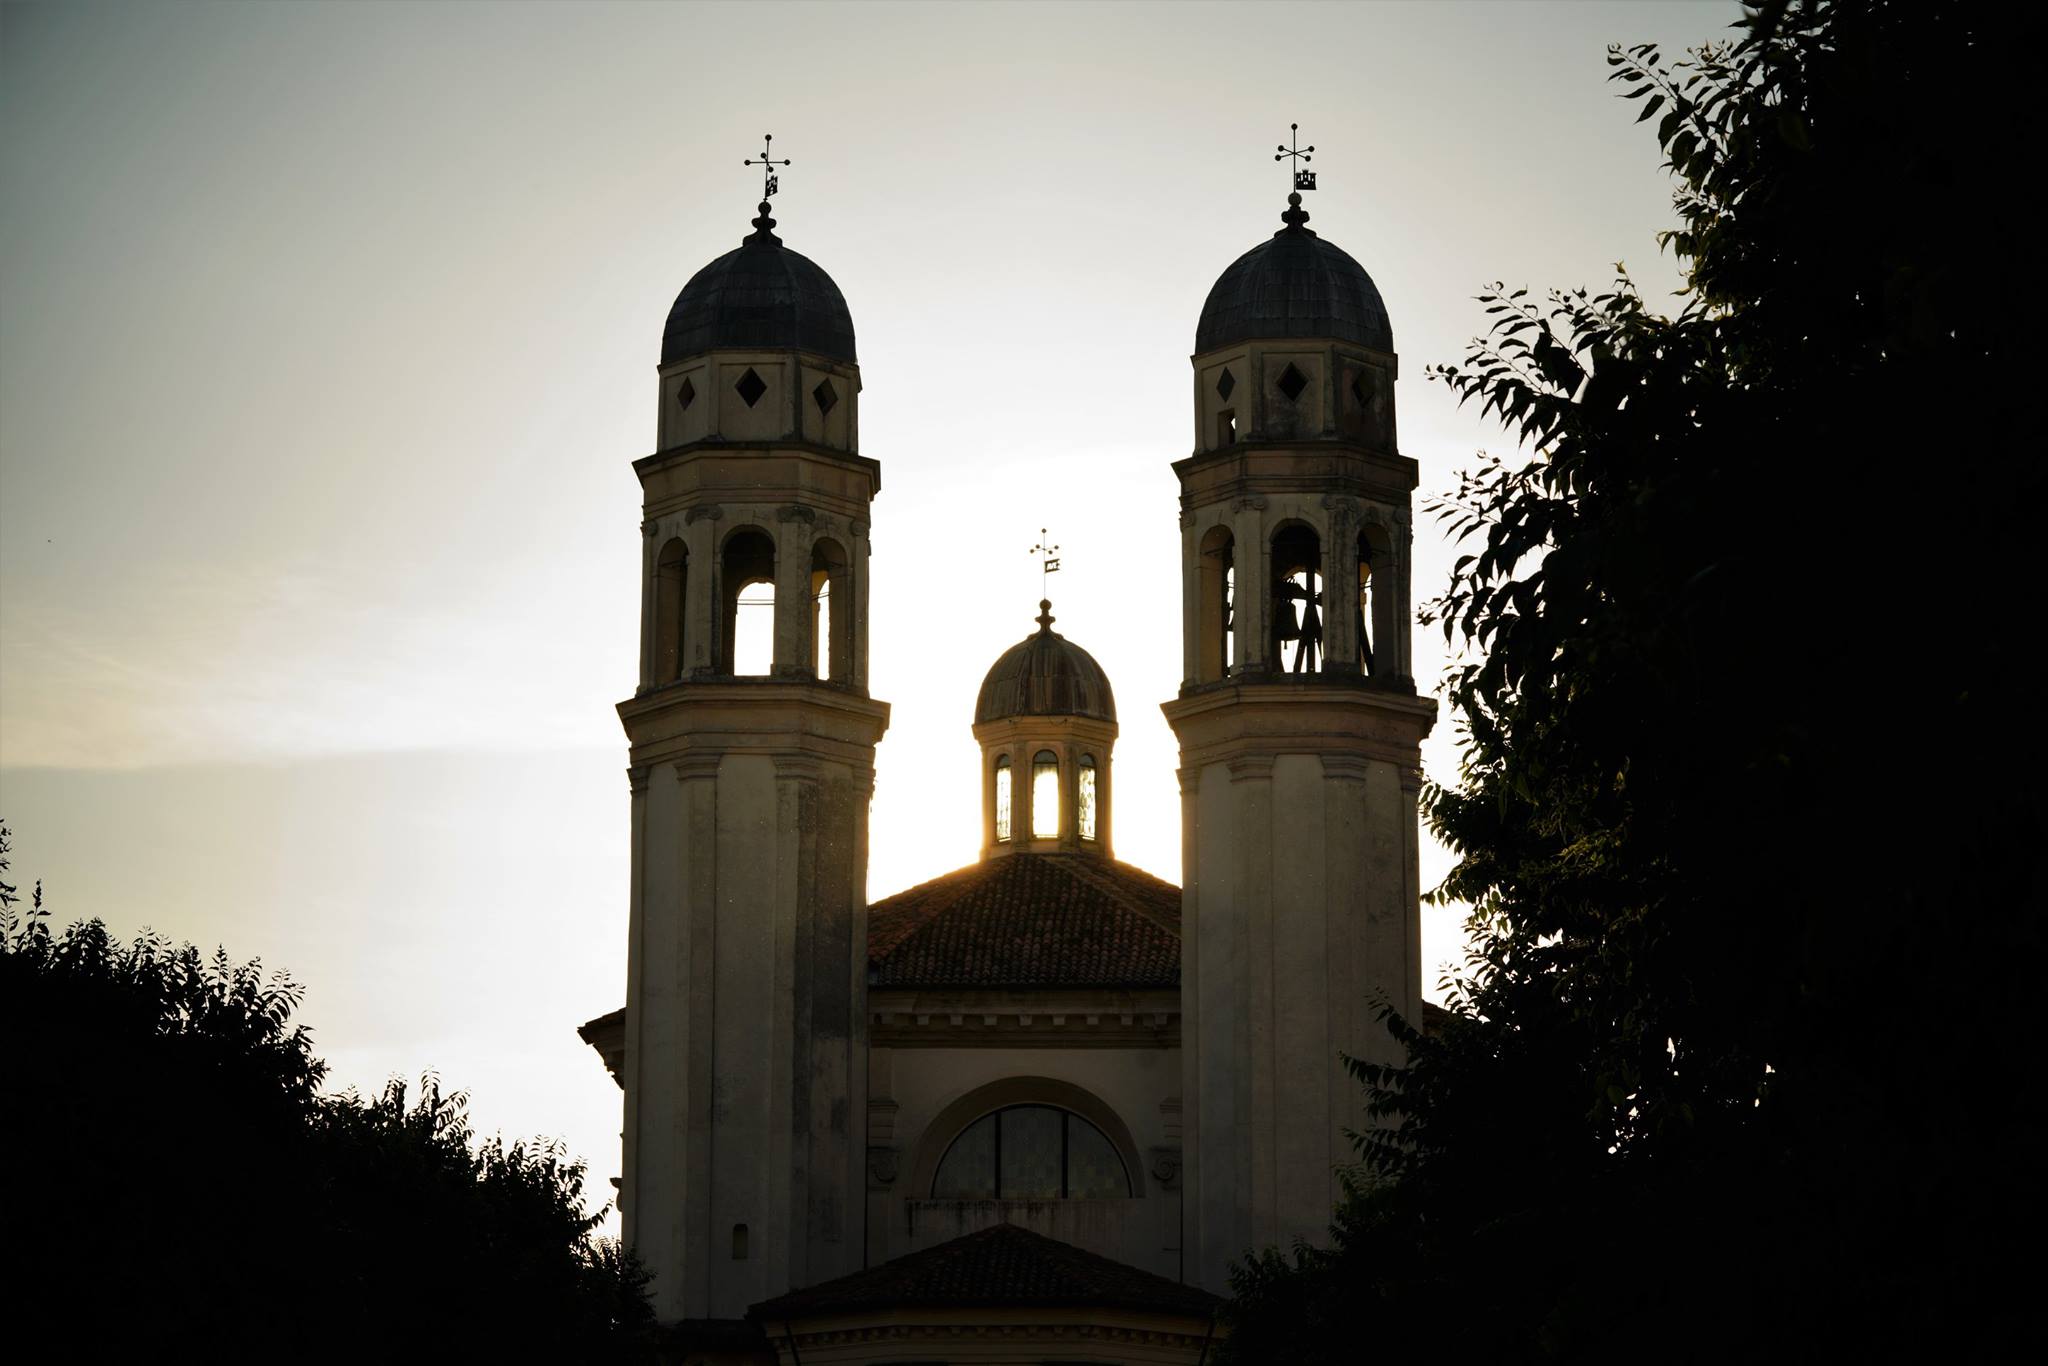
[
  {"x": 710, "y": 447},
  {"x": 1074, "y": 1017}
]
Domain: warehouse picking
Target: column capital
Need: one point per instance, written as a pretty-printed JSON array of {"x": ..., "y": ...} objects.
[
  {"x": 799, "y": 768},
  {"x": 1350, "y": 768},
  {"x": 1251, "y": 768},
  {"x": 696, "y": 766},
  {"x": 636, "y": 777}
]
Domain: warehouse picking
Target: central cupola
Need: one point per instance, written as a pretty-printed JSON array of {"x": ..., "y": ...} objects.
[{"x": 1046, "y": 720}]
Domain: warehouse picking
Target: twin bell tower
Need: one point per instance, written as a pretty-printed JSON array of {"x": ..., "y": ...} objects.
[{"x": 745, "y": 1062}]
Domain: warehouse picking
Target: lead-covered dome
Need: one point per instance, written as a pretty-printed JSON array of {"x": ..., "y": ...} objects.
[
  {"x": 1045, "y": 675},
  {"x": 1295, "y": 285},
  {"x": 760, "y": 295}
]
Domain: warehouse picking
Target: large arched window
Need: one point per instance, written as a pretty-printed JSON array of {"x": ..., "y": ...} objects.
[
  {"x": 1045, "y": 795},
  {"x": 1031, "y": 1152},
  {"x": 1003, "y": 797},
  {"x": 1084, "y": 797}
]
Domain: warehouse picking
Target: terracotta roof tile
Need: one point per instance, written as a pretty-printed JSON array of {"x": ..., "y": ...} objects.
[
  {"x": 1000, "y": 1266},
  {"x": 1029, "y": 920}
]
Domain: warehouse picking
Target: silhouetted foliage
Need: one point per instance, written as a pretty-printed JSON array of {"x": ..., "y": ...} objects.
[
  {"x": 177, "y": 1186},
  {"x": 1750, "y": 811}
]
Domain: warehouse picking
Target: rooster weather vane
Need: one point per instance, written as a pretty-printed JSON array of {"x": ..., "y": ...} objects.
[{"x": 1303, "y": 180}]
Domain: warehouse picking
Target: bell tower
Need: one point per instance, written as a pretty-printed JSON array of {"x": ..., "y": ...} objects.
[
  {"x": 1300, "y": 733},
  {"x": 752, "y": 763}
]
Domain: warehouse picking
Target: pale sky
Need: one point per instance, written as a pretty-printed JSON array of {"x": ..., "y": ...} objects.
[{"x": 328, "y": 336}]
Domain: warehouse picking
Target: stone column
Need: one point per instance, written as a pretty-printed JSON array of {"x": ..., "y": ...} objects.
[
  {"x": 701, "y": 653},
  {"x": 795, "y": 623},
  {"x": 1251, "y": 619},
  {"x": 650, "y": 554},
  {"x": 1191, "y": 602},
  {"x": 857, "y": 556},
  {"x": 1340, "y": 588}
]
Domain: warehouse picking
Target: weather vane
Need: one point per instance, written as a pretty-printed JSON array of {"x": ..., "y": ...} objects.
[
  {"x": 771, "y": 182},
  {"x": 1051, "y": 566},
  {"x": 1303, "y": 180}
]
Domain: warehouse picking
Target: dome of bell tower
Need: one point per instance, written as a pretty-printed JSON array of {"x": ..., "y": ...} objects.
[
  {"x": 760, "y": 296},
  {"x": 1294, "y": 284}
]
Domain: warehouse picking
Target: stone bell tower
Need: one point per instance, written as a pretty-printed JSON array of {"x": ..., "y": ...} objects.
[
  {"x": 1300, "y": 734},
  {"x": 745, "y": 1058}
]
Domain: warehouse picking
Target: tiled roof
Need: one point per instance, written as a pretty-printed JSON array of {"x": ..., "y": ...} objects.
[
  {"x": 1000, "y": 1266},
  {"x": 1029, "y": 920}
]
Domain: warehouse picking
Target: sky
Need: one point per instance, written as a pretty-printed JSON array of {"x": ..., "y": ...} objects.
[{"x": 328, "y": 337}]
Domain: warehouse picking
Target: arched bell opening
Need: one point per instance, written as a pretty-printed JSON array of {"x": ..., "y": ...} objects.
[
  {"x": 747, "y": 602},
  {"x": 1004, "y": 803},
  {"x": 1297, "y": 629},
  {"x": 1087, "y": 799},
  {"x": 831, "y": 612},
  {"x": 671, "y": 578},
  {"x": 1375, "y": 608},
  {"x": 1045, "y": 795},
  {"x": 1218, "y": 585}
]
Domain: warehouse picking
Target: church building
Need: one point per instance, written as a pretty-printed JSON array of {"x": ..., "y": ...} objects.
[{"x": 1033, "y": 1109}]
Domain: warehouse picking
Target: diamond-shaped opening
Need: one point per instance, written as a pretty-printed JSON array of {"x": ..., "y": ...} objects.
[
  {"x": 750, "y": 387},
  {"x": 827, "y": 397},
  {"x": 1224, "y": 385},
  {"x": 1292, "y": 382},
  {"x": 1359, "y": 391},
  {"x": 687, "y": 394}
]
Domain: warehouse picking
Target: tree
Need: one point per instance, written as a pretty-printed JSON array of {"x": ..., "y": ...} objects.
[
  {"x": 1749, "y": 812},
  {"x": 178, "y": 1185}
]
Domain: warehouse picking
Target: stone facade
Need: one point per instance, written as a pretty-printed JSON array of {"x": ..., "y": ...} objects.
[{"x": 798, "y": 1065}]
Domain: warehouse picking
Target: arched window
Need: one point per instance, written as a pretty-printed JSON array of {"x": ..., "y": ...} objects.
[
  {"x": 831, "y": 612},
  {"x": 1084, "y": 797},
  {"x": 1003, "y": 797},
  {"x": 671, "y": 576},
  {"x": 1045, "y": 795},
  {"x": 1031, "y": 1152},
  {"x": 748, "y": 592},
  {"x": 1297, "y": 598},
  {"x": 1218, "y": 579}
]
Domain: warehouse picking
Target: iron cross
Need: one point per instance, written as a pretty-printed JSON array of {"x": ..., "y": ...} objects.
[
  {"x": 1051, "y": 566},
  {"x": 771, "y": 182},
  {"x": 1303, "y": 180}
]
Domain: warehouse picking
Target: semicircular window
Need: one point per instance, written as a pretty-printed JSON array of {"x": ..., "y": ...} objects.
[{"x": 1031, "y": 1152}]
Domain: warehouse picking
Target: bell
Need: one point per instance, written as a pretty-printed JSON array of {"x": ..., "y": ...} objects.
[{"x": 1289, "y": 624}]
